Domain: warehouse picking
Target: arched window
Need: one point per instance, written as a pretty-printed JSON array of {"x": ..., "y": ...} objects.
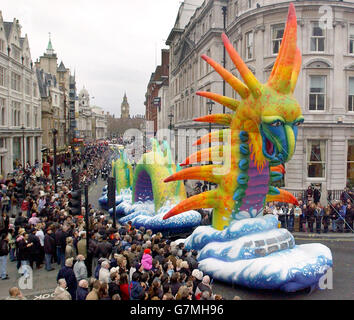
[{"x": 2, "y": 112}]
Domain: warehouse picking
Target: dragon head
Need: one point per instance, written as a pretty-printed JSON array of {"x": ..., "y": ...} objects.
[{"x": 268, "y": 112}]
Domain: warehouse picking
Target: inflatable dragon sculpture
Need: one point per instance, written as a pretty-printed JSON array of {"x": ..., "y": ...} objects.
[{"x": 261, "y": 137}]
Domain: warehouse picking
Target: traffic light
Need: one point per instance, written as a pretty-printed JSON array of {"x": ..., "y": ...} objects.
[{"x": 75, "y": 202}]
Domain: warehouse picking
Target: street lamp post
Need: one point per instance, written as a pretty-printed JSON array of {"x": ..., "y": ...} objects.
[
  {"x": 210, "y": 104},
  {"x": 224, "y": 10},
  {"x": 170, "y": 116},
  {"x": 23, "y": 146},
  {"x": 55, "y": 131}
]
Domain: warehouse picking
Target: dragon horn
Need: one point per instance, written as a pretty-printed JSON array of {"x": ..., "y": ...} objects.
[
  {"x": 251, "y": 81},
  {"x": 281, "y": 76},
  {"x": 225, "y": 101},
  {"x": 235, "y": 83}
]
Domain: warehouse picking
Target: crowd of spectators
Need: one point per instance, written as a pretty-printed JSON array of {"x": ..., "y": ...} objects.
[
  {"x": 32, "y": 214},
  {"x": 131, "y": 264},
  {"x": 121, "y": 263},
  {"x": 311, "y": 215}
]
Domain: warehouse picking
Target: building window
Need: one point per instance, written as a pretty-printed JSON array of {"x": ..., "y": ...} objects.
[
  {"x": 16, "y": 53},
  {"x": 317, "y": 38},
  {"x": 16, "y": 113},
  {"x": 187, "y": 147},
  {"x": 2, "y": 76},
  {"x": 249, "y": 45},
  {"x": 317, "y": 95},
  {"x": 316, "y": 158},
  {"x": 27, "y": 87},
  {"x": 34, "y": 89},
  {"x": 28, "y": 116},
  {"x": 2, "y": 111},
  {"x": 249, "y": 4},
  {"x": 350, "y": 163},
  {"x": 351, "y": 94},
  {"x": 351, "y": 39},
  {"x": 15, "y": 81},
  {"x": 277, "y": 36},
  {"x": 2, "y": 143},
  {"x": 2, "y": 45}
]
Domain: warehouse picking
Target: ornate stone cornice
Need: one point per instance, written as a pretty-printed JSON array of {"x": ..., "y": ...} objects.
[
  {"x": 337, "y": 22},
  {"x": 259, "y": 27}
]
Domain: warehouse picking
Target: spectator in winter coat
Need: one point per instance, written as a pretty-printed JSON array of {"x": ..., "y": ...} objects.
[
  {"x": 113, "y": 286},
  {"x": 104, "y": 275},
  {"x": 104, "y": 249},
  {"x": 34, "y": 220},
  {"x": 15, "y": 294},
  {"x": 68, "y": 274},
  {"x": 175, "y": 284},
  {"x": 93, "y": 294},
  {"x": 80, "y": 269},
  {"x": 35, "y": 250},
  {"x": 4, "y": 251},
  {"x": 82, "y": 290},
  {"x": 60, "y": 292},
  {"x": 349, "y": 217},
  {"x": 70, "y": 251},
  {"x": 310, "y": 217},
  {"x": 60, "y": 242},
  {"x": 326, "y": 218},
  {"x": 137, "y": 292},
  {"x": 49, "y": 249},
  {"x": 146, "y": 260},
  {"x": 204, "y": 286},
  {"x": 124, "y": 287}
]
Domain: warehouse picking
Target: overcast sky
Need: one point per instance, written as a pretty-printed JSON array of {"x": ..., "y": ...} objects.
[{"x": 113, "y": 45}]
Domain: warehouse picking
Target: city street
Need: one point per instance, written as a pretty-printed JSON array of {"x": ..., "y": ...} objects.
[
  {"x": 341, "y": 246},
  {"x": 199, "y": 117}
]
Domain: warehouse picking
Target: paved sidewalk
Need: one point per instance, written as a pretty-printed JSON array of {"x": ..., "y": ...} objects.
[{"x": 328, "y": 236}]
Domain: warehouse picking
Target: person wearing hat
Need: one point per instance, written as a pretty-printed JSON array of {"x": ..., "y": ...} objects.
[
  {"x": 146, "y": 260},
  {"x": 80, "y": 269}
]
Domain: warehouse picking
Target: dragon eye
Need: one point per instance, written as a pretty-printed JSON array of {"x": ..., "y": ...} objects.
[
  {"x": 277, "y": 123},
  {"x": 297, "y": 123}
]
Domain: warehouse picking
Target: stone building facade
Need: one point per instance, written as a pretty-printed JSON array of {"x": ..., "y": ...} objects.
[
  {"x": 99, "y": 123},
  {"x": 20, "y": 108},
  {"x": 53, "y": 81},
  {"x": 158, "y": 79},
  {"x": 324, "y": 153},
  {"x": 84, "y": 119}
]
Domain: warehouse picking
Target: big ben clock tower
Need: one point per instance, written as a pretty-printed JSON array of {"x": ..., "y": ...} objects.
[{"x": 124, "y": 108}]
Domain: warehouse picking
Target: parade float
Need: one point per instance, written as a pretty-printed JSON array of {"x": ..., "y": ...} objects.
[
  {"x": 242, "y": 246},
  {"x": 143, "y": 198}
]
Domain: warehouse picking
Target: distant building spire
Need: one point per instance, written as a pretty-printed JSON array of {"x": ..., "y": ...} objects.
[{"x": 50, "y": 49}]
